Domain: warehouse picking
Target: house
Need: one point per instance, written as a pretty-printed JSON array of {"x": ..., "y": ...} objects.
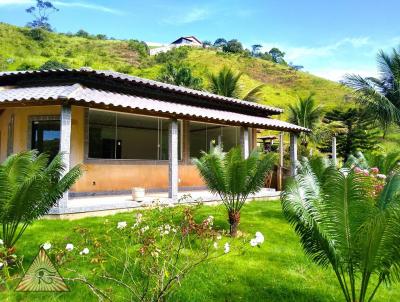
[
  {"x": 191, "y": 41},
  {"x": 188, "y": 41},
  {"x": 127, "y": 131}
]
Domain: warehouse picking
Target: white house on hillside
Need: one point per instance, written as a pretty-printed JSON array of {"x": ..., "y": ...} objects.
[{"x": 182, "y": 41}]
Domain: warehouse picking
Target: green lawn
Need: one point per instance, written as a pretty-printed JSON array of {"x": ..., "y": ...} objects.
[{"x": 278, "y": 271}]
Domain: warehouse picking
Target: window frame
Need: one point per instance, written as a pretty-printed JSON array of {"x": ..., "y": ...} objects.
[
  {"x": 110, "y": 161},
  {"x": 39, "y": 118}
]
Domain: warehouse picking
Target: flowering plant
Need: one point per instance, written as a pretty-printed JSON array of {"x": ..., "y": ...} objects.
[{"x": 147, "y": 256}]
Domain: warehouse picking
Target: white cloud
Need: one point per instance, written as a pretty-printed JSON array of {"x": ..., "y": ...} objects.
[
  {"x": 338, "y": 74},
  {"x": 185, "y": 16},
  {"x": 77, "y": 4}
]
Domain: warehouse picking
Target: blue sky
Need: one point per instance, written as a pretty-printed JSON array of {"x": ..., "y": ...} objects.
[{"x": 330, "y": 38}]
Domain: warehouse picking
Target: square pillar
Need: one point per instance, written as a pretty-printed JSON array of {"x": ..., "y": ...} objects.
[
  {"x": 279, "y": 173},
  {"x": 173, "y": 160},
  {"x": 244, "y": 141},
  {"x": 293, "y": 154},
  {"x": 334, "y": 155},
  {"x": 186, "y": 142},
  {"x": 65, "y": 149}
]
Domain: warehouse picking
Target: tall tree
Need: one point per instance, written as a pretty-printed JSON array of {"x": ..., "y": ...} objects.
[
  {"x": 359, "y": 134},
  {"x": 277, "y": 55},
  {"x": 220, "y": 42},
  {"x": 305, "y": 113},
  {"x": 255, "y": 49},
  {"x": 380, "y": 97},
  {"x": 226, "y": 83},
  {"x": 233, "y": 46},
  {"x": 41, "y": 12},
  {"x": 180, "y": 75}
]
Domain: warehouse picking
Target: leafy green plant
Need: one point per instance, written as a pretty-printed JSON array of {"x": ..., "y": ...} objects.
[
  {"x": 53, "y": 64},
  {"x": 30, "y": 186},
  {"x": 385, "y": 163},
  {"x": 349, "y": 220},
  {"x": 180, "y": 75},
  {"x": 234, "y": 178},
  {"x": 226, "y": 83}
]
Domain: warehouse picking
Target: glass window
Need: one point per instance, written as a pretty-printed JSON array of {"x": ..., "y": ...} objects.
[
  {"x": 128, "y": 136},
  {"x": 203, "y": 136},
  {"x": 46, "y": 137}
]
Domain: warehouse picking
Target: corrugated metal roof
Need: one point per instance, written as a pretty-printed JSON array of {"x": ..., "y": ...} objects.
[
  {"x": 153, "y": 84},
  {"x": 97, "y": 98}
]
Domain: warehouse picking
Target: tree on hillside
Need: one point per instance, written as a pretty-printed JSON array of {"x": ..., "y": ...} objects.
[
  {"x": 226, "y": 83},
  {"x": 220, "y": 42},
  {"x": 41, "y": 12},
  {"x": 306, "y": 113},
  {"x": 359, "y": 134},
  {"x": 380, "y": 97},
  {"x": 233, "y": 46},
  {"x": 207, "y": 43},
  {"x": 277, "y": 55},
  {"x": 255, "y": 49},
  {"x": 180, "y": 75}
]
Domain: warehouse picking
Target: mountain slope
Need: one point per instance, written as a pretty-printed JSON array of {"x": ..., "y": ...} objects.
[{"x": 19, "y": 50}]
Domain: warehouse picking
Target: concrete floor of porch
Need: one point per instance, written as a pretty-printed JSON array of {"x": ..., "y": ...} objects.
[{"x": 79, "y": 207}]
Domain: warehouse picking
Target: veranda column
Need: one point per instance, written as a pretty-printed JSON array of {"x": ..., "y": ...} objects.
[
  {"x": 293, "y": 154},
  {"x": 334, "y": 156},
  {"x": 65, "y": 148},
  {"x": 280, "y": 164},
  {"x": 173, "y": 160},
  {"x": 244, "y": 141}
]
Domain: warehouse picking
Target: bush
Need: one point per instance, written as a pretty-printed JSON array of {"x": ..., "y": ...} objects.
[
  {"x": 38, "y": 34},
  {"x": 26, "y": 66},
  {"x": 233, "y": 46},
  {"x": 174, "y": 56},
  {"x": 53, "y": 64},
  {"x": 139, "y": 46},
  {"x": 82, "y": 33}
]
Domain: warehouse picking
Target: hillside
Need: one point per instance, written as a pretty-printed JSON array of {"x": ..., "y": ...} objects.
[{"x": 19, "y": 50}]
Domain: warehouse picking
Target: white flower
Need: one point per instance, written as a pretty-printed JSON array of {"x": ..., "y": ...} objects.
[
  {"x": 144, "y": 229},
  {"x": 85, "y": 251},
  {"x": 121, "y": 225},
  {"x": 259, "y": 237},
  {"x": 381, "y": 176},
  {"x": 219, "y": 237},
  {"x": 253, "y": 242},
  {"x": 1, "y": 265},
  {"x": 1, "y": 242},
  {"x": 227, "y": 248},
  {"x": 69, "y": 247},
  {"x": 215, "y": 245},
  {"x": 46, "y": 246}
]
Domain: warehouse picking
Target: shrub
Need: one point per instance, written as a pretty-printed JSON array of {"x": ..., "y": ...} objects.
[
  {"x": 26, "y": 66},
  {"x": 53, "y": 64},
  {"x": 139, "y": 46},
  {"x": 30, "y": 186},
  {"x": 348, "y": 219},
  {"x": 174, "y": 56},
  {"x": 233, "y": 46},
  {"x": 234, "y": 178},
  {"x": 38, "y": 34}
]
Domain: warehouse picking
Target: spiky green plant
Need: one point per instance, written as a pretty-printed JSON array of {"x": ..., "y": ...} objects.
[
  {"x": 306, "y": 113},
  {"x": 29, "y": 187},
  {"x": 234, "y": 178},
  {"x": 226, "y": 83},
  {"x": 344, "y": 222}
]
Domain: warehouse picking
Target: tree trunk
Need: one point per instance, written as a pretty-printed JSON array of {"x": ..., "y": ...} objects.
[{"x": 234, "y": 219}]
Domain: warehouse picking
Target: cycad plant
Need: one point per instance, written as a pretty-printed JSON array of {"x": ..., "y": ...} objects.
[
  {"x": 234, "y": 178},
  {"x": 29, "y": 187},
  {"x": 226, "y": 83},
  {"x": 350, "y": 221},
  {"x": 386, "y": 163}
]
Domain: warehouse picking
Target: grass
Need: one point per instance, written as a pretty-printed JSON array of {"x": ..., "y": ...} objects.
[{"x": 278, "y": 271}]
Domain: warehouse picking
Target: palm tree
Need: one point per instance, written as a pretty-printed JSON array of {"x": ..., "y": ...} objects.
[
  {"x": 233, "y": 178},
  {"x": 180, "y": 75},
  {"x": 226, "y": 83},
  {"x": 346, "y": 221},
  {"x": 30, "y": 186},
  {"x": 306, "y": 113},
  {"x": 380, "y": 97}
]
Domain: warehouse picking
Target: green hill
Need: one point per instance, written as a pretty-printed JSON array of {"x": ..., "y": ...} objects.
[{"x": 22, "y": 50}]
